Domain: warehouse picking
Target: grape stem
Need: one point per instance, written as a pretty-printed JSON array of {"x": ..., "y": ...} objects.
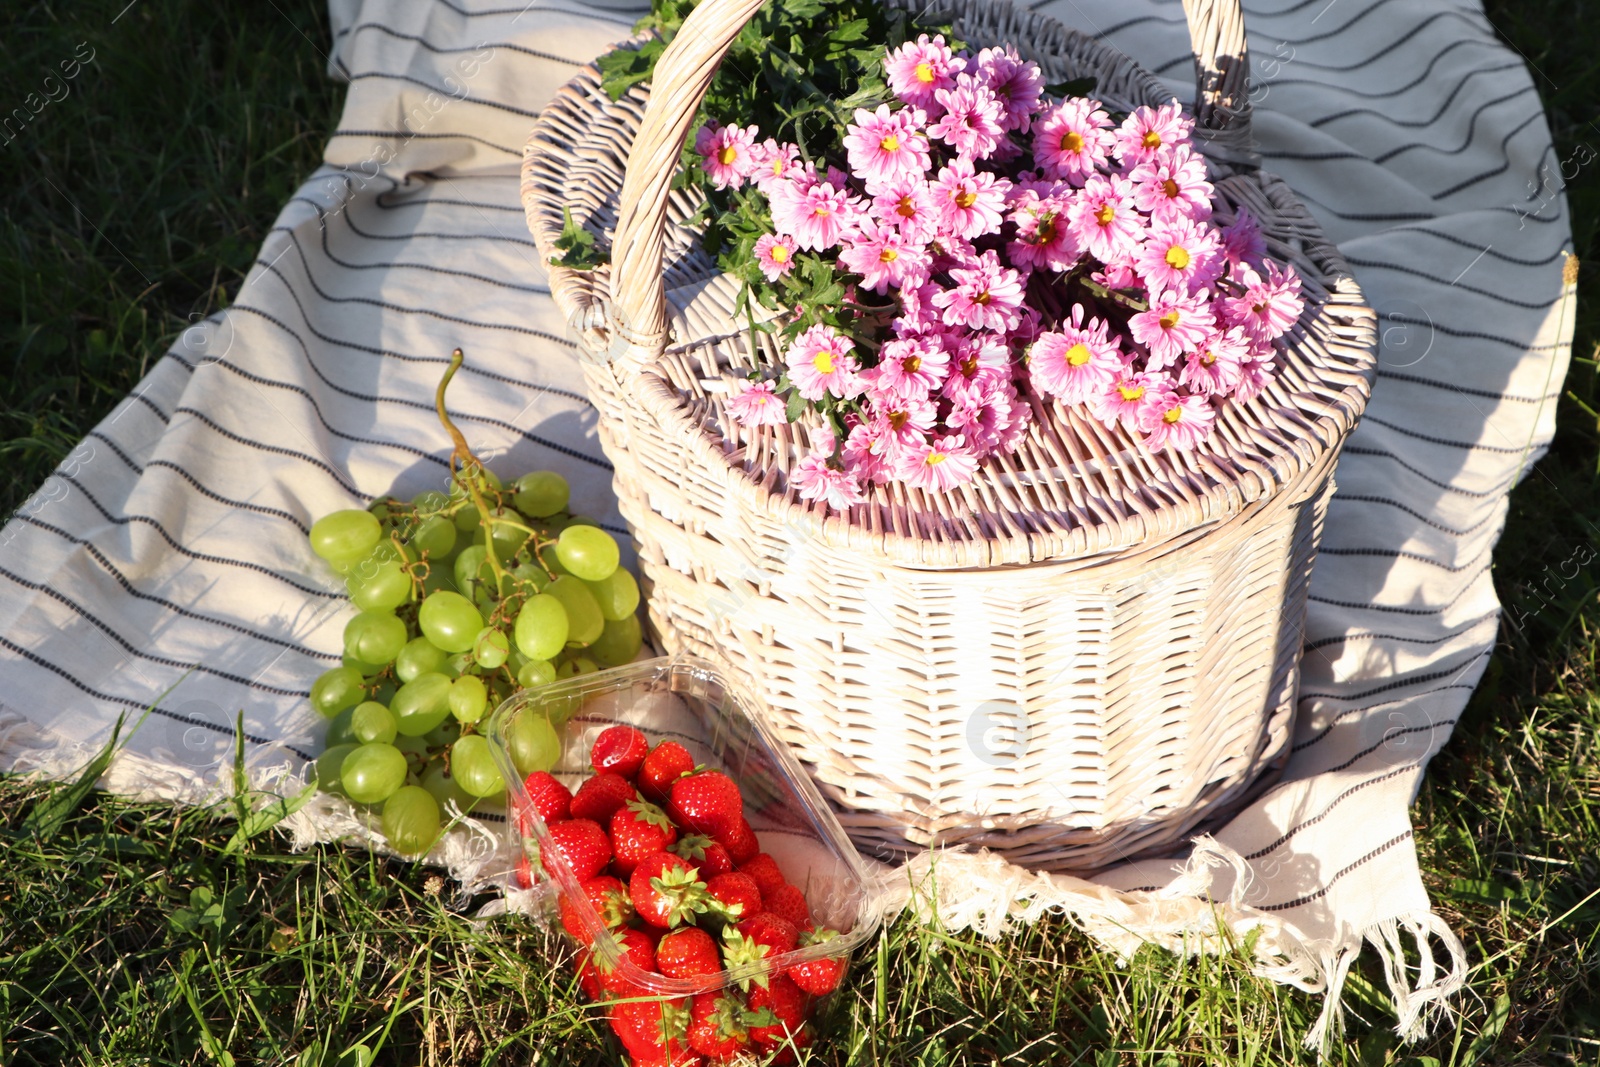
[{"x": 462, "y": 454}]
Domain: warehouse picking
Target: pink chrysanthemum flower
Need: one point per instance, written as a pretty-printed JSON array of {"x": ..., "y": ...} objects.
[
  {"x": 1015, "y": 82},
  {"x": 1044, "y": 241},
  {"x": 987, "y": 296},
  {"x": 885, "y": 146},
  {"x": 1076, "y": 363},
  {"x": 1253, "y": 377},
  {"x": 817, "y": 218},
  {"x": 910, "y": 366},
  {"x": 884, "y": 256},
  {"x": 1269, "y": 306},
  {"x": 908, "y": 206},
  {"x": 1172, "y": 185},
  {"x": 820, "y": 363},
  {"x": 918, "y": 316},
  {"x": 1242, "y": 241},
  {"x": 918, "y": 69},
  {"x": 865, "y": 452},
  {"x": 985, "y": 417},
  {"x": 757, "y": 405},
  {"x": 817, "y": 479},
  {"x": 1174, "y": 421},
  {"x": 1181, "y": 255},
  {"x": 1150, "y": 131},
  {"x": 1071, "y": 139},
  {"x": 1216, "y": 367},
  {"x": 772, "y": 162},
  {"x": 980, "y": 363},
  {"x": 726, "y": 153},
  {"x": 900, "y": 420},
  {"x": 775, "y": 255},
  {"x": 1122, "y": 400},
  {"x": 969, "y": 201},
  {"x": 937, "y": 465},
  {"x": 1103, "y": 218},
  {"x": 1174, "y": 325},
  {"x": 971, "y": 120}
]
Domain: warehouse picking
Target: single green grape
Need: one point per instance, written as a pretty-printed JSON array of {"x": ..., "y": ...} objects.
[
  {"x": 532, "y": 743},
  {"x": 540, "y": 494},
  {"x": 576, "y": 666},
  {"x": 542, "y": 627},
  {"x": 443, "y": 735},
  {"x": 489, "y": 484},
  {"x": 435, "y": 537},
  {"x": 337, "y": 689},
  {"x": 366, "y": 669},
  {"x": 418, "y": 657},
  {"x": 589, "y": 553},
  {"x": 472, "y": 570},
  {"x": 531, "y": 574},
  {"x": 491, "y": 648},
  {"x": 469, "y": 519},
  {"x": 386, "y": 588},
  {"x": 371, "y": 722},
  {"x": 421, "y": 704},
  {"x": 584, "y": 621},
  {"x": 469, "y": 697},
  {"x": 411, "y": 820},
  {"x": 617, "y": 595},
  {"x": 417, "y": 752},
  {"x": 473, "y": 765},
  {"x": 346, "y": 535},
  {"x": 430, "y": 502},
  {"x": 329, "y": 765},
  {"x": 442, "y": 784},
  {"x": 618, "y": 643},
  {"x": 508, "y": 539},
  {"x": 374, "y": 637},
  {"x": 372, "y": 772},
  {"x": 384, "y": 507},
  {"x": 340, "y": 730},
  {"x": 449, "y": 620},
  {"x": 536, "y": 672}
]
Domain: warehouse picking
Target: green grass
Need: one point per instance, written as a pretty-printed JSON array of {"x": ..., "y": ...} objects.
[{"x": 132, "y": 934}]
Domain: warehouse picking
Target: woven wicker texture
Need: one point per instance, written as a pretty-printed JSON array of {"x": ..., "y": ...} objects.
[{"x": 1081, "y": 656}]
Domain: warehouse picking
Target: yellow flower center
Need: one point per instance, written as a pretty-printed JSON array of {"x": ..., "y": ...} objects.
[
  {"x": 1177, "y": 257},
  {"x": 779, "y": 165},
  {"x": 890, "y": 143},
  {"x": 779, "y": 254},
  {"x": 1169, "y": 320},
  {"x": 823, "y": 362},
  {"x": 982, "y": 298},
  {"x": 1105, "y": 214},
  {"x": 1151, "y": 140},
  {"x": 728, "y": 154},
  {"x": 1208, "y": 358},
  {"x": 912, "y": 365},
  {"x": 907, "y": 208},
  {"x": 936, "y": 458},
  {"x": 822, "y": 212},
  {"x": 965, "y": 198},
  {"x": 1078, "y": 354},
  {"x": 1072, "y": 141},
  {"x": 888, "y": 255},
  {"x": 925, "y": 73},
  {"x": 898, "y": 419},
  {"x": 1047, "y": 229},
  {"x": 1130, "y": 393},
  {"x": 1170, "y": 187},
  {"x": 969, "y": 366},
  {"x": 1172, "y": 415}
]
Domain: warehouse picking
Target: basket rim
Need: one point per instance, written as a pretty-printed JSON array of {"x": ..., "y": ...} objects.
[{"x": 1226, "y": 488}]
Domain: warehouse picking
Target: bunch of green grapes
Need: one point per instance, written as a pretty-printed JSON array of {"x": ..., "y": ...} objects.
[{"x": 464, "y": 598}]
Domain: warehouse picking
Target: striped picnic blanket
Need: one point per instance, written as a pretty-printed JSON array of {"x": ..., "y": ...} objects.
[{"x": 166, "y": 560}]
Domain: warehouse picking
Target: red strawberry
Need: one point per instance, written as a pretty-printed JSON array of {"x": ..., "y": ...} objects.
[
  {"x": 588, "y": 975},
  {"x": 653, "y": 1030},
  {"x": 665, "y": 764},
  {"x": 687, "y": 952},
  {"x": 789, "y": 1005},
  {"x": 778, "y": 934},
  {"x": 790, "y": 903},
  {"x": 764, "y": 869},
  {"x": 740, "y": 841},
  {"x": 524, "y": 871},
  {"x": 759, "y": 937},
  {"x": 738, "y": 894},
  {"x": 818, "y": 977},
  {"x": 611, "y": 903},
  {"x": 704, "y": 853},
  {"x": 601, "y": 796},
  {"x": 619, "y": 749},
  {"x": 584, "y": 846},
  {"x": 666, "y": 891},
  {"x": 706, "y": 802},
  {"x": 718, "y": 1025},
  {"x": 548, "y": 798},
  {"x": 637, "y": 950},
  {"x": 637, "y": 829}
]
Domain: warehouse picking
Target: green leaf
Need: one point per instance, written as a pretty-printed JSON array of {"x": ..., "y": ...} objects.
[
  {"x": 50, "y": 814},
  {"x": 796, "y": 406},
  {"x": 577, "y": 246},
  {"x": 1492, "y": 1026},
  {"x": 1075, "y": 87},
  {"x": 265, "y": 818},
  {"x": 626, "y": 67}
]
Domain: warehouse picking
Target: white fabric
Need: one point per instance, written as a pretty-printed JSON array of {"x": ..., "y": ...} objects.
[{"x": 166, "y": 562}]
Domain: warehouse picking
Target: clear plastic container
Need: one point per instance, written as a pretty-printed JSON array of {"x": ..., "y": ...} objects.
[{"x": 689, "y": 701}]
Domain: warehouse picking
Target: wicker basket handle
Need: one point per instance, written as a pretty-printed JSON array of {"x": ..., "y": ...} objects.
[{"x": 639, "y": 324}]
